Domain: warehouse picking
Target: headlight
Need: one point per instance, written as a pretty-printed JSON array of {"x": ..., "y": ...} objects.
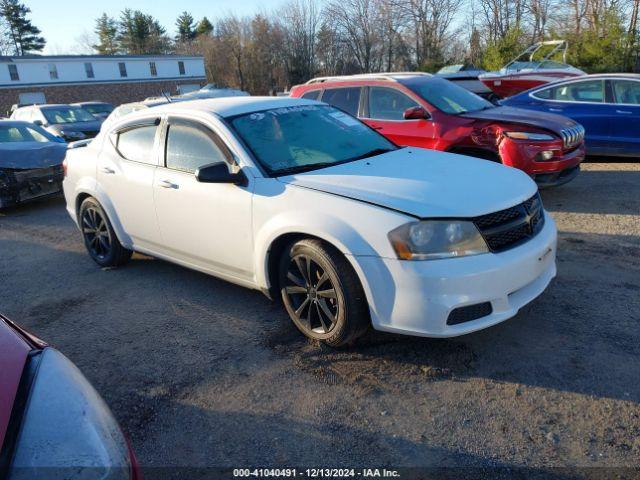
[
  {"x": 541, "y": 137},
  {"x": 434, "y": 239},
  {"x": 78, "y": 135}
]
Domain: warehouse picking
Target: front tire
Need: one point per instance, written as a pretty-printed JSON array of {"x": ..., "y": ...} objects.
[
  {"x": 322, "y": 293},
  {"x": 100, "y": 239}
]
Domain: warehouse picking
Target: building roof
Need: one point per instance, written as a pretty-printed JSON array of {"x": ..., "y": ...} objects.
[
  {"x": 232, "y": 106},
  {"x": 4, "y": 58}
]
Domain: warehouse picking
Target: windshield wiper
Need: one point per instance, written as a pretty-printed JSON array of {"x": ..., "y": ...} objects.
[
  {"x": 303, "y": 168},
  {"x": 372, "y": 153}
]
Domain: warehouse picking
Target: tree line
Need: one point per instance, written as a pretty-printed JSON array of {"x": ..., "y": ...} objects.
[{"x": 305, "y": 38}]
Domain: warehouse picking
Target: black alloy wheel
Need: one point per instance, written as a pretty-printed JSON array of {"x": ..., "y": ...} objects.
[
  {"x": 99, "y": 237},
  {"x": 322, "y": 293}
]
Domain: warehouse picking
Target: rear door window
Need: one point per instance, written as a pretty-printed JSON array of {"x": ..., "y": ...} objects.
[
  {"x": 626, "y": 92},
  {"x": 347, "y": 99},
  {"x": 136, "y": 143},
  {"x": 312, "y": 95}
]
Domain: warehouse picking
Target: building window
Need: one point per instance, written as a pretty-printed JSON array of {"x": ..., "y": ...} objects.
[
  {"x": 53, "y": 71},
  {"x": 181, "y": 67},
  {"x": 152, "y": 68},
  {"x": 13, "y": 72},
  {"x": 123, "y": 69},
  {"x": 88, "y": 67}
]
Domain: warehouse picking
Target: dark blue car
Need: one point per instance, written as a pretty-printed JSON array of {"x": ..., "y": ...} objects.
[{"x": 607, "y": 106}]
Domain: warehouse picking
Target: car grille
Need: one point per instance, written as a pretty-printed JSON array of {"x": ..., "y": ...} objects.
[
  {"x": 513, "y": 226},
  {"x": 573, "y": 136},
  {"x": 37, "y": 174}
]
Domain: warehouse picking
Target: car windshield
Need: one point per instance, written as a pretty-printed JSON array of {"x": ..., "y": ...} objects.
[
  {"x": 98, "y": 108},
  {"x": 447, "y": 96},
  {"x": 67, "y": 115},
  {"x": 24, "y": 133},
  {"x": 307, "y": 137}
]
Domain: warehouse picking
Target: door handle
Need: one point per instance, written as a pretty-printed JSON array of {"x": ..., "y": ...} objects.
[
  {"x": 167, "y": 184},
  {"x": 624, "y": 112},
  {"x": 107, "y": 170}
]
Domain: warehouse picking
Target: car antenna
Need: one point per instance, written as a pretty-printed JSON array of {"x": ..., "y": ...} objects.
[{"x": 166, "y": 95}]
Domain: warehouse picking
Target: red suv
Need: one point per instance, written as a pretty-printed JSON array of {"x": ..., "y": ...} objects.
[{"x": 420, "y": 110}]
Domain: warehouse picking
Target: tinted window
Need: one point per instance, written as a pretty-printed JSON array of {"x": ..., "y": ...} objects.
[
  {"x": 190, "y": 146},
  {"x": 59, "y": 115},
  {"x": 295, "y": 139},
  {"x": 346, "y": 99},
  {"x": 181, "y": 68},
  {"x": 13, "y": 72},
  {"x": 23, "y": 133},
  {"x": 447, "y": 96},
  {"x": 627, "y": 92},
  {"x": 388, "y": 103},
  {"x": 88, "y": 68},
  {"x": 152, "y": 69},
  {"x": 123, "y": 69},
  {"x": 588, "y": 91},
  {"x": 312, "y": 95},
  {"x": 137, "y": 144}
]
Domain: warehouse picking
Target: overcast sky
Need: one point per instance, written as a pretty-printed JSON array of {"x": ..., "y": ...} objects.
[{"x": 63, "y": 22}]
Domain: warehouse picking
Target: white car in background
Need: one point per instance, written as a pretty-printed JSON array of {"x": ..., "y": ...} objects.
[{"x": 306, "y": 203}]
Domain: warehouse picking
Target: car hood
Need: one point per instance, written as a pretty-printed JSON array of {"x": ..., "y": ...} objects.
[
  {"x": 27, "y": 155},
  {"x": 546, "y": 121},
  {"x": 76, "y": 126},
  {"x": 423, "y": 183},
  {"x": 14, "y": 351}
]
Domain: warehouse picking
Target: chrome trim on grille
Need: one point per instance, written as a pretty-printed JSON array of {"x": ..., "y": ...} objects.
[{"x": 572, "y": 136}]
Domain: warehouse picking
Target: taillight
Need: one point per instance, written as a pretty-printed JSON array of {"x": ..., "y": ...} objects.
[
  {"x": 64, "y": 167},
  {"x": 67, "y": 428}
]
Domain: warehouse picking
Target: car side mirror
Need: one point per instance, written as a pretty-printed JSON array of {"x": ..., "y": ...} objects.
[
  {"x": 38, "y": 122},
  {"x": 416, "y": 113},
  {"x": 219, "y": 173}
]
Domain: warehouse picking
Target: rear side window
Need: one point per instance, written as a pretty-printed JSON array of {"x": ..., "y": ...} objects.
[
  {"x": 346, "y": 99},
  {"x": 312, "y": 95},
  {"x": 388, "y": 103},
  {"x": 626, "y": 92},
  {"x": 191, "y": 145},
  {"x": 591, "y": 91},
  {"x": 136, "y": 143}
]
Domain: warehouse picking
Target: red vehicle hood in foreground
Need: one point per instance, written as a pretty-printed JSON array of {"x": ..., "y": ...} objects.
[
  {"x": 511, "y": 115},
  {"x": 14, "y": 350}
]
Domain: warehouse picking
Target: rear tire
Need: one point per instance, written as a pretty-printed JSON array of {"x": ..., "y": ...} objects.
[
  {"x": 100, "y": 239},
  {"x": 322, "y": 293}
]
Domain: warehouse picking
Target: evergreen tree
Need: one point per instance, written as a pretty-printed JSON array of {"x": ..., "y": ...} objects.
[
  {"x": 24, "y": 36},
  {"x": 185, "y": 26},
  {"x": 139, "y": 34},
  {"x": 204, "y": 27},
  {"x": 107, "y": 31}
]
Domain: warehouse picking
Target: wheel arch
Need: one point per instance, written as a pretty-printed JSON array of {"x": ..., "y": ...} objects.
[
  {"x": 109, "y": 210},
  {"x": 476, "y": 152}
]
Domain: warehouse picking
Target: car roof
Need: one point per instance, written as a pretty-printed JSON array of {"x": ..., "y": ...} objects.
[
  {"x": 15, "y": 123},
  {"x": 232, "y": 106},
  {"x": 80, "y": 104},
  {"x": 385, "y": 76}
]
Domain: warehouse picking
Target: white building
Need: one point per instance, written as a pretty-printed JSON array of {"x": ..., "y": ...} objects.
[{"x": 111, "y": 78}]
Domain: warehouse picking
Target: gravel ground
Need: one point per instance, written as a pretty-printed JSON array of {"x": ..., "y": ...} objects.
[{"x": 203, "y": 373}]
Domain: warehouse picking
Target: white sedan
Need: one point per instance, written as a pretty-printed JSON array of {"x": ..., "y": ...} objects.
[{"x": 304, "y": 202}]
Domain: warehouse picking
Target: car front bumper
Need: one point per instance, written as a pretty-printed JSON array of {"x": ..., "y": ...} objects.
[
  {"x": 526, "y": 156},
  {"x": 19, "y": 186},
  {"x": 417, "y": 297}
]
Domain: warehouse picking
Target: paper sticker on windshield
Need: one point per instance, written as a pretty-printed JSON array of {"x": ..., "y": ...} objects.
[{"x": 345, "y": 119}]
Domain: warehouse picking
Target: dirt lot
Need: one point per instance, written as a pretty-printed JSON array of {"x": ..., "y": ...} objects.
[{"x": 201, "y": 372}]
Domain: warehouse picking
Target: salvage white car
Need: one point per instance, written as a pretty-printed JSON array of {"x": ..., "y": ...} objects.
[{"x": 306, "y": 203}]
